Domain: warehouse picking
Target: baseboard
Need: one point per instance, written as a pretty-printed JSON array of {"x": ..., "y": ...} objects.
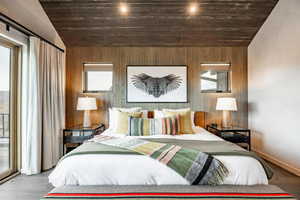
[
  {"x": 9, "y": 177},
  {"x": 280, "y": 163}
]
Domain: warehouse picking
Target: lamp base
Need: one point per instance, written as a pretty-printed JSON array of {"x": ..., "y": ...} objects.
[
  {"x": 86, "y": 119},
  {"x": 226, "y": 120}
]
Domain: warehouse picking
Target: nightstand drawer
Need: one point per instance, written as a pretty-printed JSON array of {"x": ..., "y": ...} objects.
[
  {"x": 76, "y": 139},
  {"x": 235, "y": 137}
]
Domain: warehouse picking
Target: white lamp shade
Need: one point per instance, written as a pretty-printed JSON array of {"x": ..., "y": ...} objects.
[
  {"x": 226, "y": 103},
  {"x": 86, "y": 103}
]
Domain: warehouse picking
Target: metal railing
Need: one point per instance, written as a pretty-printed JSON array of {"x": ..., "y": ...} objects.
[{"x": 4, "y": 128}]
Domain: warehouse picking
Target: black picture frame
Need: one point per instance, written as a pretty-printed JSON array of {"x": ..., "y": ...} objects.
[{"x": 152, "y": 66}]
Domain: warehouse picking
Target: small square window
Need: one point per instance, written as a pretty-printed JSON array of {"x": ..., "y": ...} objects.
[
  {"x": 215, "y": 77},
  {"x": 98, "y": 77},
  {"x": 214, "y": 81}
]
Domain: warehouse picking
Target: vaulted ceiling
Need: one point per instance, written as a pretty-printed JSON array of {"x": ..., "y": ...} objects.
[{"x": 158, "y": 22}]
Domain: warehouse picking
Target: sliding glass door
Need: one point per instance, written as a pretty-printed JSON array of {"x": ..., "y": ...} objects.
[{"x": 8, "y": 77}]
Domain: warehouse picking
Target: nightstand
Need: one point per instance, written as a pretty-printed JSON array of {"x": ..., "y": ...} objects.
[
  {"x": 74, "y": 136},
  {"x": 236, "y": 135}
]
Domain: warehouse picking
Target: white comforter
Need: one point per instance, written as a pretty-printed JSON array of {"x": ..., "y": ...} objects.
[{"x": 142, "y": 170}]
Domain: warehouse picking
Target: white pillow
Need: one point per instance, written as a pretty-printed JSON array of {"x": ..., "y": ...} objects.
[
  {"x": 160, "y": 114},
  {"x": 112, "y": 114},
  {"x": 144, "y": 113},
  {"x": 176, "y": 110},
  {"x": 193, "y": 118}
]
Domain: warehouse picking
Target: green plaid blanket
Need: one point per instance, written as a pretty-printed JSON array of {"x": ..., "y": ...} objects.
[{"x": 196, "y": 167}]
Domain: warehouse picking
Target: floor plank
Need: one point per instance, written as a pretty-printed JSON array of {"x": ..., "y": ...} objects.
[
  {"x": 286, "y": 180},
  {"x": 33, "y": 187},
  {"x": 25, "y": 187}
]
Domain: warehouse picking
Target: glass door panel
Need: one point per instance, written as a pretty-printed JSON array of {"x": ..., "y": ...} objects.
[{"x": 6, "y": 137}]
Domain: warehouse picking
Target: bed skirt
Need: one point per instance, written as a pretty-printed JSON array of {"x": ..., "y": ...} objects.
[{"x": 167, "y": 192}]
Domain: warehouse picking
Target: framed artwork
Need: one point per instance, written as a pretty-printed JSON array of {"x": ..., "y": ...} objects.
[{"x": 157, "y": 84}]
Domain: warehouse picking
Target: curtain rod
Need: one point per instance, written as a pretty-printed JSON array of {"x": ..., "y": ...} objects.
[{"x": 19, "y": 27}]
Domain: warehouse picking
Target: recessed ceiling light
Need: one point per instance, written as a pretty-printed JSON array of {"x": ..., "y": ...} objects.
[
  {"x": 193, "y": 8},
  {"x": 123, "y": 8}
]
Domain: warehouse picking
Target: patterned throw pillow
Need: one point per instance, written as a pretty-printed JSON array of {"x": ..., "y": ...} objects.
[
  {"x": 184, "y": 120},
  {"x": 122, "y": 121},
  {"x": 160, "y": 126}
]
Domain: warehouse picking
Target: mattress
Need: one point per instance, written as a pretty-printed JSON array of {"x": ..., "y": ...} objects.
[{"x": 109, "y": 169}]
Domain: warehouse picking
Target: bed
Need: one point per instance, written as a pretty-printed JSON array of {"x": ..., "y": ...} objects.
[{"x": 110, "y": 169}]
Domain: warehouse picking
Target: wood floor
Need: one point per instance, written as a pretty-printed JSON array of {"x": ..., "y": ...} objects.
[
  {"x": 25, "y": 187},
  {"x": 286, "y": 181},
  {"x": 33, "y": 187}
]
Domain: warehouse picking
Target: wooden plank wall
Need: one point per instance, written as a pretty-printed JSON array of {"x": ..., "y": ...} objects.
[{"x": 190, "y": 56}]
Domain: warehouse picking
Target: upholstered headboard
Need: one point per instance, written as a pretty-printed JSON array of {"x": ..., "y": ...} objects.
[{"x": 199, "y": 118}]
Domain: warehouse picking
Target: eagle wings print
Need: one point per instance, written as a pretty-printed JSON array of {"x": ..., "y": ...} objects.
[{"x": 156, "y": 86}]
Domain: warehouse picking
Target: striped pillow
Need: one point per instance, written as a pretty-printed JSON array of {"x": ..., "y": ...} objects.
[
  {"x": 160, "y": 126},
  {"x": 184, "y": 120}
]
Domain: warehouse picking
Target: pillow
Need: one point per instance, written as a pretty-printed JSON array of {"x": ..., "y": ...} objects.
[
  {"x": 185, "y": 120},
  {"x": 160, "y": 126},
  {"x": 122, "y": 121},
  {"x": 112, "y": 114},
  {"x": 158, "y": 114},
  {"x": 177, "y": 110},
  {"x": 193, "y": 118},
  {"x": 145, "y": 113},
  {"x": 182, "y": 109}
]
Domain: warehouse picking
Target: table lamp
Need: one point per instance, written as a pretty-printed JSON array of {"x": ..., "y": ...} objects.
[
  {"x": 226, "y": 104},
  {"x": 86, "y": 104}
]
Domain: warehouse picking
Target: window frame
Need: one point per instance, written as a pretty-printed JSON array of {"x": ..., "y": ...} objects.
[
  {"x": 107, "y": 66},
  {"x": 217, "y": 67}
]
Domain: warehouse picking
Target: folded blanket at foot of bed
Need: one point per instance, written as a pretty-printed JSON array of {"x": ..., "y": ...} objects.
[
  {"x": 167, "y": 192},
  {"x": 196, "y": 167},
  {"x": 213, "y": 148}
]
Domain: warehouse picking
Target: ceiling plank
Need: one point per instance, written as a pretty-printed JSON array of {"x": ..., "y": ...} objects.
[{"x": 158, "y": 23}]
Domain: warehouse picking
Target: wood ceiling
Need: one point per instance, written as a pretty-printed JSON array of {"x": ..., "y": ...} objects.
[{"x": 158, "y": 22}]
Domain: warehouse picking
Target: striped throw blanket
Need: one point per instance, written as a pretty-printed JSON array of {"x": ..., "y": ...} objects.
[
  {"x": 164, "y": 196},
  {"x": 266, "y": 192},
  {"x": 196, "y": 167},
  {"x": 160, "y": 126}
]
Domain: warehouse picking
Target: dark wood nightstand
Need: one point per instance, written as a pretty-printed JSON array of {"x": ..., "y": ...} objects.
[
  {"x": 233, "y": 134},
  {"x": 76, "y": 135}
]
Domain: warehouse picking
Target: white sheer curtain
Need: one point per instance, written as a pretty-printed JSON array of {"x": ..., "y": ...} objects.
[{"x": 43, "y": 108}]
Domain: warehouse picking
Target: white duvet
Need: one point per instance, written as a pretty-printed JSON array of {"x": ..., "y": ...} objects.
[{"x": 142, "y": 170}]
